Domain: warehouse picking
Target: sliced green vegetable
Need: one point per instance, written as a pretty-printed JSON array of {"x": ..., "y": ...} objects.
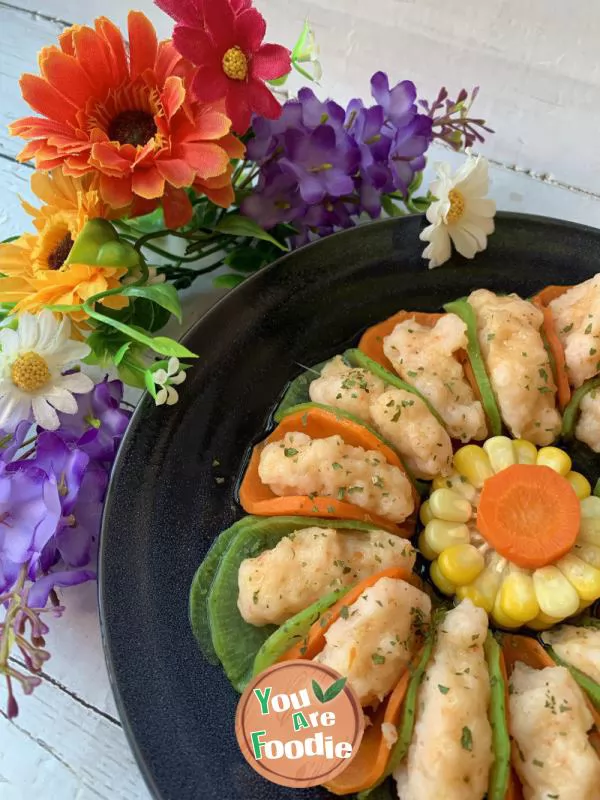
[
  {"x": 409, "y": 713},
  {"x": 297, "y": 391},
  {"x": 589, "y": 685},
  {"x": 200, "y": 588},
  {"x": 357, "y": 358},
  {"x": 572, "y": 410},
  {"x": 294, "y": 629},
  {"x": 236, "y": 643},
  {"x": 500, "y": 773},
  {"x": 463, "y": 310}
]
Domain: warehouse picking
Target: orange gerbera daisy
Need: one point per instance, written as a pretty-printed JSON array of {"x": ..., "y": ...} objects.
[
  {"x": 34, "y": 264},
  {"x": 131, "y": 118}
]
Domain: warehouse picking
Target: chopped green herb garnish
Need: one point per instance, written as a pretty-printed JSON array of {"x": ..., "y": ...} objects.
[
  {"x": 466, "y": 740},
  {"x": 290, "y": 452}
]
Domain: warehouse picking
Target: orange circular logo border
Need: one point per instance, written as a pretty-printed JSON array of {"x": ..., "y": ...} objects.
[{"x": 292, "y": 777}]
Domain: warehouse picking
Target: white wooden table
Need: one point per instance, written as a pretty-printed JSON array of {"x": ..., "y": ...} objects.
[{"x": 536, "y": 61}]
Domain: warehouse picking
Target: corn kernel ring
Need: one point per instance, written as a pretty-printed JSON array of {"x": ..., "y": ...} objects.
[{"x": 517, "y": 531}]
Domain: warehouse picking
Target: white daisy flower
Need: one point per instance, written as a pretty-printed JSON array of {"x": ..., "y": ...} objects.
[
  {"x": 461, "y": 214},
  {"x": 32, "y": 361},
  {"x": 166, "y": 379}
]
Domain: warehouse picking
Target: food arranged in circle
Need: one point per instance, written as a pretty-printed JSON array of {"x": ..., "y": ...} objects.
[{"x": 423, "y": 518}]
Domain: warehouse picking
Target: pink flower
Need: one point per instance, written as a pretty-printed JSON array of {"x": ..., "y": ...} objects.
[{"x": 224, "y": 39}]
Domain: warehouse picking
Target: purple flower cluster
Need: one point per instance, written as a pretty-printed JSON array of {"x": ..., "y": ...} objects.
[
  {"x": 52, "y": 487},
  {"x": 322, "y": 166}
]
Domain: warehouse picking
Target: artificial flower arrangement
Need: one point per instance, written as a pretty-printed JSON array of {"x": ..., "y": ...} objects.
[{"x": 157, "y": 162}]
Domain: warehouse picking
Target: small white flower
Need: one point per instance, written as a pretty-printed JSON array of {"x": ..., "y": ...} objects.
[
  {"x": 32, "y": 361},
  {"x": 461, "y": 214},
  {"x": 166, "y": 379}
]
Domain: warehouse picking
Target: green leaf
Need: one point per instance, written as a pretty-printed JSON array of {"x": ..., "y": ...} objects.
[
  {"x": 118, "y": 357},
  {"x": 236, "y": 225},
  {"x": 420, "y": 204},
  {"x": 147, "y": 315},
  {"x": 245, "y": 259},
  {"x": 63, "y": 308},
  {"x": 416, "y": 183},
  {"x": 169, "y": 347},
  {"x": 149, "y": 382},
  {"x": 390, "y": 208},
  {"x": 163, "y": 294},
  {"x": 318, "y": 692},
  {"x": 335, "y": 689},
  {"x": 160, "y": 344},
  {"x": 228, "y": 281}
]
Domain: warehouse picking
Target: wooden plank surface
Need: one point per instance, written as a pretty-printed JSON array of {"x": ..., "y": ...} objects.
[{"x": 540, "y": 81}]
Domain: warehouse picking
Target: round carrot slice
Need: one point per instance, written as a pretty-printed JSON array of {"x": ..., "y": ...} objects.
[{"x": 530, "y": 514}]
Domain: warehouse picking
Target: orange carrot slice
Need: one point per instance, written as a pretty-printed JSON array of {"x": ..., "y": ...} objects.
[
  {"x": 542, "y": 301},
  {"x": 549, "y": 293},
  {"x": 318, "y": 423},
  {"x": 530, "y": 652},
  {"x": 314, "y": 641},
  {"x": 368, "y": 765},
  {"x": 371, "y": 342},
  {"x": 530, "y": 514}
]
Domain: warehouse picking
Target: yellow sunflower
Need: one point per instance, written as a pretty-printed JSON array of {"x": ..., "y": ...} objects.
[{"x": 34, "y": 264}]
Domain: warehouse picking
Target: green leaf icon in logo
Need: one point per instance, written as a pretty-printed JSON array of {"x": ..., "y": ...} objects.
[{"x": 331, "y": 693}]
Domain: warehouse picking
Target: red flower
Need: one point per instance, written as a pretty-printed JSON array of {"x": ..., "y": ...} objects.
[
  {"x": 233, "y": 62},
  {"x": 128, "y": 117}
]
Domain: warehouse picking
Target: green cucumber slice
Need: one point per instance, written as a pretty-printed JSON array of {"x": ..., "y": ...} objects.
[
  {"x": 500, "y": 773},
  {"x": 236, "y": 643},
  {"x": 463, "y": 310},
  {"x": 201, "y": 583},
  {"x": 297, "y": 391},
  {"x": 294, "y": 629},
  {"x": 589, "y": 685}
]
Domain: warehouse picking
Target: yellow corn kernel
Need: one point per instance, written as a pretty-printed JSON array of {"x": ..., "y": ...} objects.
[
  {"x": 556, "y": 596},
  {"x": 441, "y": 482},
  {"x": 424, "y": 548},
  {"x": 478, "y": 593},
  {"x": 526, "y": 452},
  {"x": 582, "y": 576},
  {"x": 440, "y": 534},
  {"x": 554, "y": 458},
  {"x": 425, "y": 514},
  {"x": 461, "y": 563},
  {"x": 444, "y": 585},
  {"x": 589, "y": 530},
  {"x": 590, "y": 507},
  {"x": 448, "y": 505},
  {"x": 543, "y": 622},
  {"x": 516, "y": 597},
  {"x": 485, "y": 586},
  {"x": 502, "y": 619},
  {"x": 580, "y": 484},
  {"x": 472, "y": 462},
  {"x": 500, "y": 452},
  {"x": 583, "y": 605},
  {"x": 589, "y": 553}
]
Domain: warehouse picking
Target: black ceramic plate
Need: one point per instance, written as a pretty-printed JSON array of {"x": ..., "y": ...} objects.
[{"x": 166, "y": 504}]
